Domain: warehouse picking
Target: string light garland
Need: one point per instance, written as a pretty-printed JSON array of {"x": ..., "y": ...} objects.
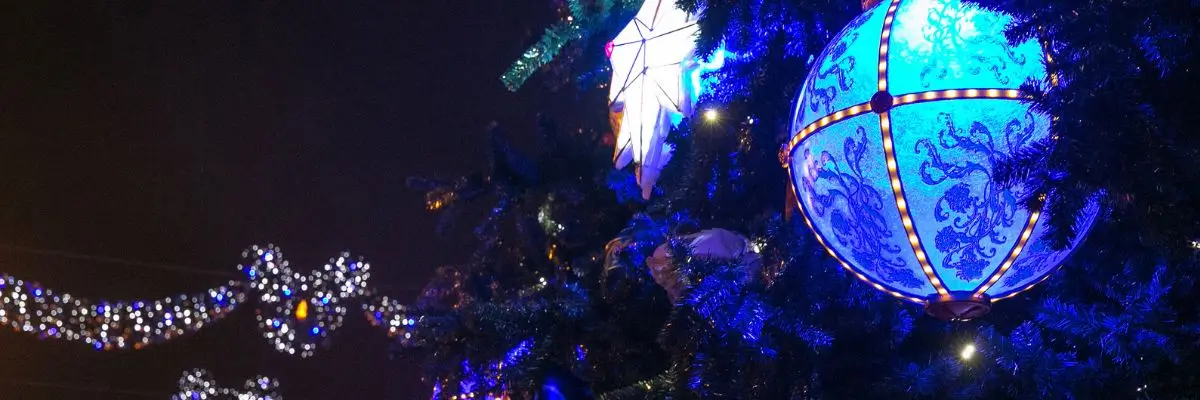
[
  {"x": 28, "y": 307},
  {"x": 198, "y": 384},
  {"x": 399, "y": 320},
  {"x": 296, "y": 312}
]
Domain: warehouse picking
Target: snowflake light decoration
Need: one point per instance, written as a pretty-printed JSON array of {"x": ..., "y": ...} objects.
[{"x": 296, "y": 311}]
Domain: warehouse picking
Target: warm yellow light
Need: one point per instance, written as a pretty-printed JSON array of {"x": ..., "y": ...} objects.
[
  {"x": 711, "y": 115},
  {"x": 302, "y": 310},
  {"x": 968, "y": 351}
]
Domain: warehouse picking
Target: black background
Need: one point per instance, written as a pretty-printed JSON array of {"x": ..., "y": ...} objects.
[{"x": 181, "y": 132}]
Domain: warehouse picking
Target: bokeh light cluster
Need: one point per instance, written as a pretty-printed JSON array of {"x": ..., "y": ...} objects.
[
  {"x": 198, "y": 384},
  {"x": 297, "y": 312},
  {"x": 28, "y": 307}
]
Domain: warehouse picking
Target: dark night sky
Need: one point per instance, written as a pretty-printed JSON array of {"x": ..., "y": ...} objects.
[{"x": 181, "y": 132}]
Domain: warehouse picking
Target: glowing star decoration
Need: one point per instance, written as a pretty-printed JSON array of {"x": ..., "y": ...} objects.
[
  {"x": 198, "y": 384},
  {"x": 30, "y": 308},
  {"x": 296, "y": 311},
  {"x": 896, "y": 133},
  {"x": 656, "y": 79}
]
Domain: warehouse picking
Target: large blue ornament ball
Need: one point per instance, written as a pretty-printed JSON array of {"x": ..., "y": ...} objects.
[{"x": 897, "y": 130}]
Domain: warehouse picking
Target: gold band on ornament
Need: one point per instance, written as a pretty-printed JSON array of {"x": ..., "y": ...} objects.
[
  {"x": 884, "y": 38},
  {"x": 885, "y": 127},
  {"x": 911, "y": 98},
  {"x": 910, "y": 230}
]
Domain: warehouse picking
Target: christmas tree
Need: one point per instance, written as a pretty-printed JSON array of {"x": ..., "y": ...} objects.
[{"x": 595, "y": 282}]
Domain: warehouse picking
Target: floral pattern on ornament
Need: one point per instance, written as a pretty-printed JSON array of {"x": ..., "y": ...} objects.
[
  {"x": 971, "y": 215},
  {"x": 855, "y": 210}
]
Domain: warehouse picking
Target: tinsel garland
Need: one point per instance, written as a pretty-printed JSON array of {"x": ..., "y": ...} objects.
[{"x": 582, "y": 18}]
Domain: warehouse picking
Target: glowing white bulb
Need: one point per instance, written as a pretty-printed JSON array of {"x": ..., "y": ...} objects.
[
  {"x": 711, "y": 115},
  {"x": 968, "y": 351}
]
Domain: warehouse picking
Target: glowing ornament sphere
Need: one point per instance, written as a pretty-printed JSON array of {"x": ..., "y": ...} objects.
[{"x": 897, "y": 130}]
